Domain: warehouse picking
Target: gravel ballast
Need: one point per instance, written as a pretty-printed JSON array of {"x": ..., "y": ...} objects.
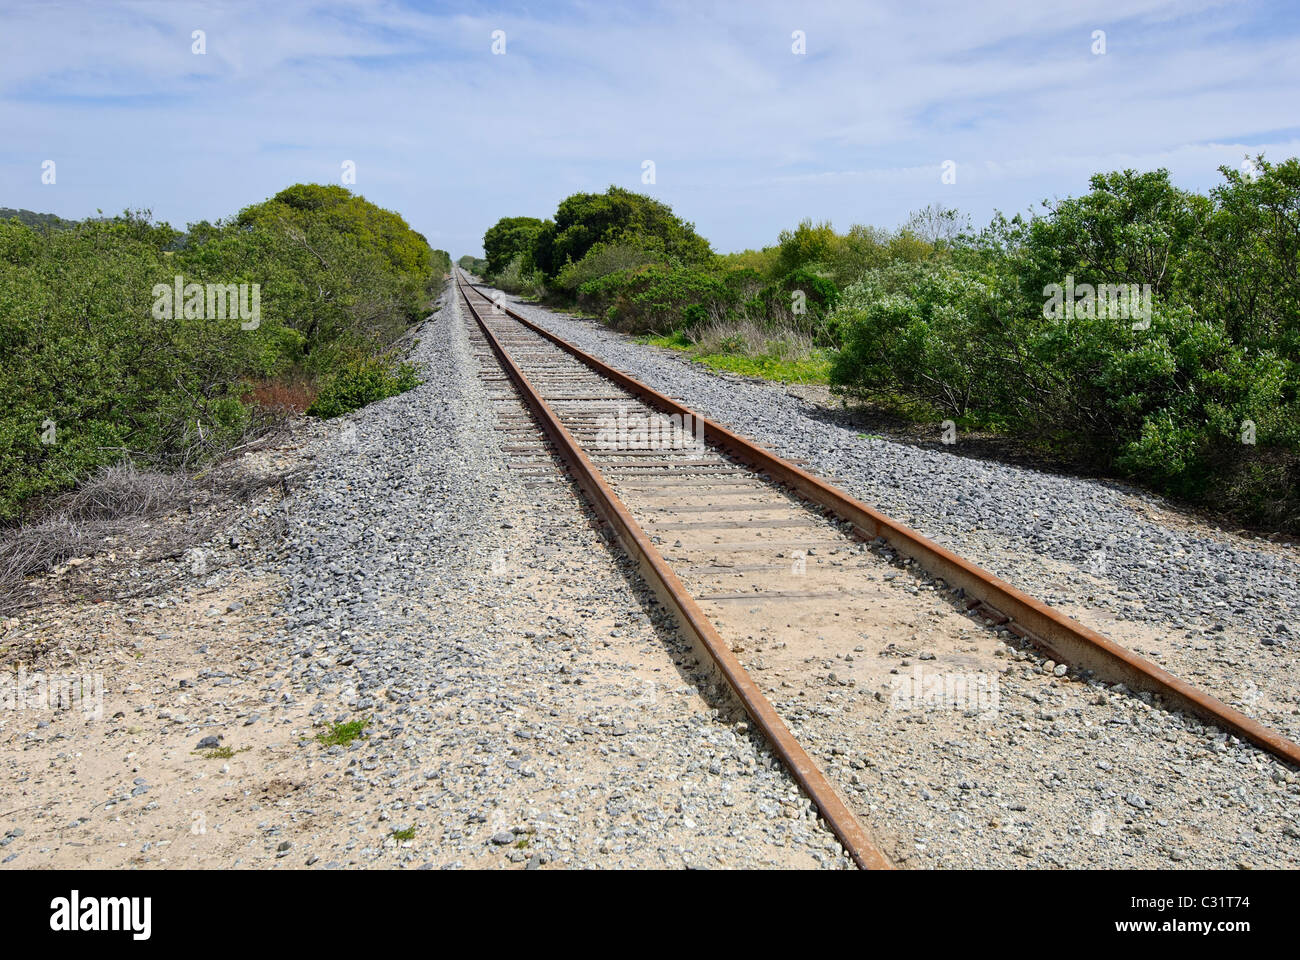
[{"x": 529, "y": 701}]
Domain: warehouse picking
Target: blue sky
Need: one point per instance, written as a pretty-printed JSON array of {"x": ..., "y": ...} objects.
[{"x": 746, "y": 136}]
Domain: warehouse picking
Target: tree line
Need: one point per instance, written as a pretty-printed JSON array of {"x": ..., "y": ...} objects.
[
  {"x": 103, "y": 362},
  {"x": 1174, "y": 362}
]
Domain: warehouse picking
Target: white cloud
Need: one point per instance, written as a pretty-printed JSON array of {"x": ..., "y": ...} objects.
[{"x": 747, "y": 137}]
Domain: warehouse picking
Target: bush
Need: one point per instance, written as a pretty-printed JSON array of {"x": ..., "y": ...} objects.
[
  {"x": 742, "y": 283},
  {"x": 90, "y": 374},
  {"x": 655, "y": 298},
  {"x": 606, "y": 258},
  {"x": 761, "y": 263},
  {"x": 515, "y": 279},
  {"x": 1168, "y": 405},
  {"x": 806, "y": 245},
  {"x": 96, "y": 370},
  {"x": 509, "y": 239},
  {"x": 616, "y": 216},
  {"x": 799, "y": 301},
  {"x": 923, "y": 338},
  {"x": 359, "y": 383}
]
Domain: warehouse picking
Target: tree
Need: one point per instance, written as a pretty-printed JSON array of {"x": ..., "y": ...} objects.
[
  {"x": 934, "y": 223},
  {"x": 1246, "y": 268},
  {"x": 506, "y": 239},
  {"x": 617, "y": 215},
  {"x": 806, "y": 244},
  {"x": 1131, "y": 228}
]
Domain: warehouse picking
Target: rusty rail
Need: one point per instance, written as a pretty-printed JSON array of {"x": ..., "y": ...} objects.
[
  {"x": 688, "y": 614},
  {"x": 1067, "y": 640}
]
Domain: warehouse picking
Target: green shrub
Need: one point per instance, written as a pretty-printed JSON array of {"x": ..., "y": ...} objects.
[
  {"x": 1166, "y": 403},
  {"x": 509, "y": 239},
  {"x": 515, "y": 278},
  {"x": 655, "y": 298},
  {"x": 92, "y": 375},
  {"x": 800, "y": 301},
  {"x": 606, "y": 258},
  {"x": 820, "y": 291},
  {"x": 359, "y": 383},
  {"x": 926, "y": 336},
  {"x": 616, "y": 216},
  {"x": 742, "y": 283},
  {"x": 761, "y": 263},
  {"x": 805, "y": 245}
]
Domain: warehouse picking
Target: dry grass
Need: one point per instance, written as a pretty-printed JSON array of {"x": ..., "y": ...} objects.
[
  {"x": 109, "y": 504},
  {"x": 122, "y": 490},
  {"x": 36, "y": 549},
  {"x": 748, "y": 338},
  {"x": 282, "y": 397},
  {"x": 113, "y": 508}
]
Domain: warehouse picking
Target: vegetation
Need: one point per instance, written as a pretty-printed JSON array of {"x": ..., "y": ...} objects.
[
  {"x": 341, "y": 734},
  {"x": 734, "y": 353},
  {"x": 1146, "y": 329},
  {"x": 509, "y": 239},
  {"x": 474, "y": 265},
  {"x": 1193, "y": 393},
  {"x": 617, "y": 215},
  {"x": 105, "y": 361},
  {"x": 360, "y": 382},
  {"x": 29, "y": 218},
  {"x": 518, "y": 278}
]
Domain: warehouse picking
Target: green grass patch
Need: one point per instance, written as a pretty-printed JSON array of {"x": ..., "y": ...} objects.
[
  {"x": 219, "y": 753},
  {"x": 814, "y": 368},
  {"x": 341, "y": 734},
  {"x": 672, "y": 341}
]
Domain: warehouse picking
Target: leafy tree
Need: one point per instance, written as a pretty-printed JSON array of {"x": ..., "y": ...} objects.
[
  {"x": 804, "y": 245},
  {"x": 936, "y": 224},
  {"x": 1131, "y": 228},
  {"x": 1246, "y": 265},
  {"x": 617, "y": 215},
  {"x": 32, "y": 219},
  {"x": 508, "y": 238}
]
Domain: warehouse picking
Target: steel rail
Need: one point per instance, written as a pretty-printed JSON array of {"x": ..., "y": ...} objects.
[
  {"x": 1067, "y": 640},
  {"x": 689, "y": 615}
]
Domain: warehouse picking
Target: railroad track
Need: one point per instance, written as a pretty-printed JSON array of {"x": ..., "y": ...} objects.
[{"x": 742, "y": 546}]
